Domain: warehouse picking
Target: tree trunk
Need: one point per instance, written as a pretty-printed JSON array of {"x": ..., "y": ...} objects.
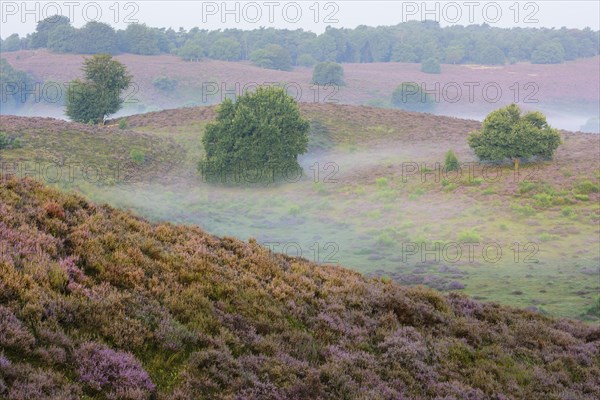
[{"x": 516, "y": 161}]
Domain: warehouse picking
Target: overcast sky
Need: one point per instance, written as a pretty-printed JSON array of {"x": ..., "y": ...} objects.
[{"x": 17, "y": 18}]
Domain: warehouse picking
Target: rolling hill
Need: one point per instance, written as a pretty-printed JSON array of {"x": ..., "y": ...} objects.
[
  {"x": 358, "y": 203},
  {"x": 98, "y": 303}
]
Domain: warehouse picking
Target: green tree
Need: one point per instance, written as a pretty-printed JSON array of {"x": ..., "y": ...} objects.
[
  {"x": 306, "y": 60},
  {"x": 191, "y": 50},
  {"x": 261, "y": 135},
  {"x": 272, "y": 57},
  {"x": 506, "y": 134},
  {"x": 61, "y": 39},
  {"x": 45, "y": 27},
  {"x": 12, "y": 81},
  {"x": 99, "y": 95},
  {"x": 548, "y": 53},
  {"x": 404, "y": 53},
  {"x": 96, "y": 38},
  {"x": 12, "y": 43},
  {"x": 492, "y": 55},
  {"x": 139, "y": 39},
  {"x": 227, "y": 49},
  {"x": 328, "y": 73},
  {"x": 455, "y": 54},
  {"x": 431, "y": 66},
  {"x": 409, "y": 96}
]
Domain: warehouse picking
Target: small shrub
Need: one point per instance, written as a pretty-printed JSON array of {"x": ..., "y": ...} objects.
[
  {"x": 450, "y": 187},
  {"x": 122, "y": 124},
  {"x": 567, "y": 212},
  {"x": 3, "y": 140},
  {"x": 586, "y": 187},
  {"x": 13, "y": 333},
  {"x": 294, "y": 210},
  {"x": 374, "y": 214},
  {"x": 525, "y": 211},
  {"x": 594, "y": 310},
  {"x": 381, "y": 182},
  {"x": 469, "y": 236},
  {"x": 582, "y": 197},
  {"x": 473, "y": 182},
  {"x": 164, "y": 83},
  {"x": 110, "y": 371},
  {"x": 385, "y": 239},
  {"x": 320, "y": 188},
  {"x": 526, "y": 187},
  {"x": 543, "y": 200},
  {"x": 58, "y": 278},
  {"x": 8, "y": 142},
  {"x": 328, "y": 73},
  {"x": 546, "y": 237},
  {"x": 451, "y": 162},
  {"x": 137, "y": 156}
]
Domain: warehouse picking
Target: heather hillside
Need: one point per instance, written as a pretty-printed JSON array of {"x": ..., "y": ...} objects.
[
  {"x": 98, "y": 303},
  {"x": 357, "y": 202}
]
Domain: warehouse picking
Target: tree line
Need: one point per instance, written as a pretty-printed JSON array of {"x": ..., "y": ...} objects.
[{"x": 412, "y": 41}]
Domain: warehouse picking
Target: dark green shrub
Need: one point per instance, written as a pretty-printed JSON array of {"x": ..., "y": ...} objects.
[
  {"x": 409, "y": 96},
  {"x": 258, "y": 136},
  {"x": 137, "y": 156},
  {"x": 451, "y": 162},
  {"x": 3, "y": 140},
  {"x": 506, "y": 134},
  {"x": 328, "y": 73},
  {"x": 164, "y": 83}
]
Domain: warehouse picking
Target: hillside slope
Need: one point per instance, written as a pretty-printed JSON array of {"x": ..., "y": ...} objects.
[
  {"x": 98, "y": 303},
  {"x": 365, "y": 208}
]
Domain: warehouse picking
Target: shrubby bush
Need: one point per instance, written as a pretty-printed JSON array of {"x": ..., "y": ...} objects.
[
  {"x": 272, "y": 56},
  {"x": 117, "y": 374},
  {"x": 409, "y": 96},
  {"x": 451, "y": 161},
  {"x": 328, "y": 73},
  {"x": 3, "y": 140},
  {"x": 165, "y": 83}
]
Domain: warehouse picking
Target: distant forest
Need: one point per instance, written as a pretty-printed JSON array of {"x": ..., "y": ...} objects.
[{"x": 412, "y": 41}]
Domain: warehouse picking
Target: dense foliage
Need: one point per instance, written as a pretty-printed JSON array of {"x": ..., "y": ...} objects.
[
  {"x": 411, "y": 41},
  {"x": 96, "y": 302},
  {"x": 328, "y": 73},
  {"x": 14, "y": 85},
  {"x": 431, "y": 66},
  {"x": 259, "y": 136},
  {"x": 273, "y": 56},
  {"x": 99, "y": 95},
  {"x": 451, "y": 162},
  {"x": 410, "y": 96},
  {"x": 506, "y": 134}
]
